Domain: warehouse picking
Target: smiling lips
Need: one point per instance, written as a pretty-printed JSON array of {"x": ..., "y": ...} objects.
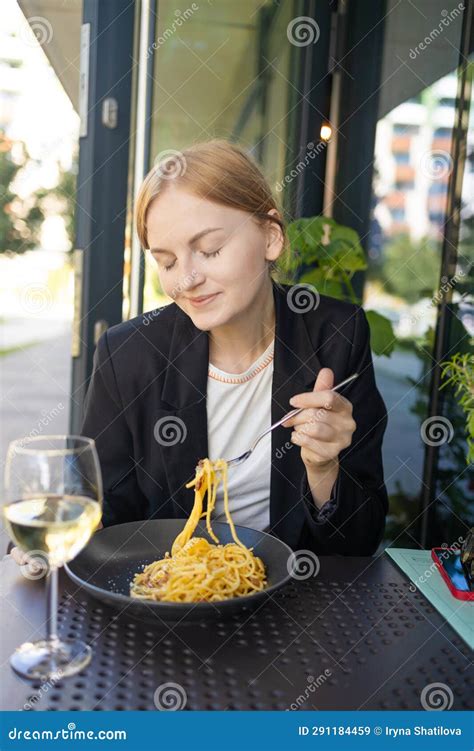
[{"x": 202, "y": 300}]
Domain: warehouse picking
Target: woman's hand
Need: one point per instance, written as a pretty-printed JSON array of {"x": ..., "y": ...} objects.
[{"x": 324, "y": 427}]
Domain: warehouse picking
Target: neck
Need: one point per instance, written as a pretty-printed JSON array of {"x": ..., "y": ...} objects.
[{"x": 236, "y": 345}]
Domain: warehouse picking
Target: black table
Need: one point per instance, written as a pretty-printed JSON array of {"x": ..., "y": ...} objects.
[{"x": 354, "y": 637}]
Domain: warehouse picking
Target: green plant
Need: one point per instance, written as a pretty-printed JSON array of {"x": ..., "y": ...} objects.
[
  {"x": 410, "y": 268},
  {"x": 20, "y": 219},
  {"x": 459, "y": 371},
  {"x": 326, "y": 255},
  {"x": 453, "y": 481}
]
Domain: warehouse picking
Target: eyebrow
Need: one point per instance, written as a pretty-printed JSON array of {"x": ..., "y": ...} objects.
[{"x": 194, "y": 239}]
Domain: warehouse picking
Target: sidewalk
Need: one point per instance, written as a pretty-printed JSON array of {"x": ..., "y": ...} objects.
[{"x": 35, "y": 385}]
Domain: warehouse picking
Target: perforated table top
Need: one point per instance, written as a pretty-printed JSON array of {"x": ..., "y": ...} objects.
[{"x": 354, "y": 637}]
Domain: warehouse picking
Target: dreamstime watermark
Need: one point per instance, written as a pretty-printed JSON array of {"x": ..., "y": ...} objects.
[
  {"x": 302, "y": 31},
  {"x": 43, "y": 689},
  {"x": 301, "y": 298},
  {"x": 43, "y": 422},
  {"x": 313, "y": 685},
  {"x": 149, "y": 317},
  {"x": 170, "y": 164},
  {"x": 436, "y": 164},
  {"x": 447, "y": 17},
  {"x": 180, "y": 18},
  {"x": 303, "y": 564},
  {"x": 432, "y": 568},
  {"x": 311, "y": 153},
  {"x": 436, "y": 697},
  {"x": 71, "y": 733},
  {"x": 178, "y": 288},
  {"x": 36, "y": 298},
  {"x": 169, "y": 431},
  {"x": 36, "y": 565},
  {"x": 316, "y": 414},
  {"x": 446, "y": 285},
  {"x": 282, "y": 450},
  {"x": 436, "y": 430},
  {"x": 41, "y": 28},
  {"x": 170, "y": 697}
]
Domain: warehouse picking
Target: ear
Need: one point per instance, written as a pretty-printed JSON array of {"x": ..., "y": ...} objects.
[{"x": 275, "y": 238}]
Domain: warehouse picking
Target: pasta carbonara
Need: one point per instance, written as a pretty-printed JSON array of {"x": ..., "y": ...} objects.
[{"x": 198, "y": 570}]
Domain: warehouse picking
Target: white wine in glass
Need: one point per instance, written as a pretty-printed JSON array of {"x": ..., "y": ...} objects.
[{"x": 52, "y": 505}]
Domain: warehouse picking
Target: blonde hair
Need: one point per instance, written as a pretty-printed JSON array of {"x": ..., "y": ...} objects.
[{"x": 218, "y": 171}]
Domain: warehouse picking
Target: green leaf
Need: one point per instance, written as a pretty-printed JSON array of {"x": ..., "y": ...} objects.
[
  {"x": 345, "y": 248},
  {"x": 304, "y": 235},
  {"x": 323, "y": 284},
  {"x": 382, "y": 336},
  {"x": 331, "y": 253}
]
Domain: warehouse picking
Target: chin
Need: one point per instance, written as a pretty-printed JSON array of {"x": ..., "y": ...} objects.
[{"x": 206, "y": 320}]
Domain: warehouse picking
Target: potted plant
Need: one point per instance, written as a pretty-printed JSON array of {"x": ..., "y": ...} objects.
[
  {"x": 326, "y": 255},
  {"x": 459, "y": 371}
]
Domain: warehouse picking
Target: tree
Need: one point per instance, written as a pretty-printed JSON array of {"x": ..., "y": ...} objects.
[
  {"x": 411, "y": 268},
  {"x": 65, "y": 195},
  {"x": 20, "y": 219}
]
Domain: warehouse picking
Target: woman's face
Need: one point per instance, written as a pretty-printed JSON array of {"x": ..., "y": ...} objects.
[{"x": 204, "y": 249}]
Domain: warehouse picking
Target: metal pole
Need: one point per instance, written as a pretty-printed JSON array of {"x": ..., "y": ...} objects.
[
  {"x": 448, "y": 266},
  {"x": 106, "y": 75},
  {"x": 146, "y": 58}
]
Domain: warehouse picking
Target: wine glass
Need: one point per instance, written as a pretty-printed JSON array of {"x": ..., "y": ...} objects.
[{"x": 52, "y": 506}]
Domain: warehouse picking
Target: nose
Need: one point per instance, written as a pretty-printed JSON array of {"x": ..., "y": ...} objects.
[{"x": 191, "y": 277}]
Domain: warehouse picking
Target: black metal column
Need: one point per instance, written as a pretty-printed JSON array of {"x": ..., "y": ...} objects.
[
  {"x": 106, "y": 76},
  {"x": 360, "y": 64},
  {"x": 308, "y": 107},
  {"x": 314, "y": 84}
]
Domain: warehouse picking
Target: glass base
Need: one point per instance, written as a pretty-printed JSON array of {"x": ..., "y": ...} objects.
[{"x": 50, "y": 660}]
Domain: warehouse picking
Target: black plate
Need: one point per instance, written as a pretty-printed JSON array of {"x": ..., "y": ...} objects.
[{"x": 108, "y": 563}]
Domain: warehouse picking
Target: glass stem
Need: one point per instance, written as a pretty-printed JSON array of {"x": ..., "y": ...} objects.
[{"x": 52, "y": 605}]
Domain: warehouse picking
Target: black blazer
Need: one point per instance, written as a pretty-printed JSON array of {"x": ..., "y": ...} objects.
[{"x": 155, "y": 366}]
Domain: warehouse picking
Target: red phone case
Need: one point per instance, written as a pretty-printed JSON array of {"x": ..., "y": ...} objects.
[{"x": 459, "y": 593}]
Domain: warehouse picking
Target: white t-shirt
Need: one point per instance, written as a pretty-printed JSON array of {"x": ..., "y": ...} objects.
[{"x": 238, "y": 410}]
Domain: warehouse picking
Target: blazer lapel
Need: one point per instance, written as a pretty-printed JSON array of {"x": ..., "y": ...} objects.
[
  {"x": 295, "y": 368},
  {"x": 182, "y": 433}
]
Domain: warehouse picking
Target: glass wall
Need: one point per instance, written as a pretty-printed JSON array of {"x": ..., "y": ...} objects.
[
  {"x": 223, "y": 70},
  {"x": 413, "y": 166},
  {"x": 453, "y": 506}
]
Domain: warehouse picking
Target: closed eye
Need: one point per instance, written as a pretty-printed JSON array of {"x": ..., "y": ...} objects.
[
  {"x": 211, "y": 255},
  {"x": 206, "y": 255}
]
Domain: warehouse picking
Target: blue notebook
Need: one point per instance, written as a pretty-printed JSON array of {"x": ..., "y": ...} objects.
[{"x": 419, "y": 563}]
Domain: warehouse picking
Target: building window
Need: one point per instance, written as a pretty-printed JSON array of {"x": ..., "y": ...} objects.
[
  {"x": 402, "y": 157},
  {"x": 447, "y": 102},
  {"x": 438, "y": 188},
  {"x": 405, "y": 129},
  {"x": 398, "y": 215},
  {"x": 442, "y": 133}
]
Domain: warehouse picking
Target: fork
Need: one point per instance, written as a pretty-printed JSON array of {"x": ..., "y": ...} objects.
[{"x": 246, "y": 454}]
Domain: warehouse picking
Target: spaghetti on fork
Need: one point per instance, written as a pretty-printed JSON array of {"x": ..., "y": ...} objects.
[{"x": 197, "y": 570}]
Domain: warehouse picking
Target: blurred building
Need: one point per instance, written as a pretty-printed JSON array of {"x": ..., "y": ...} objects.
[{"x": 412, "y": 152}]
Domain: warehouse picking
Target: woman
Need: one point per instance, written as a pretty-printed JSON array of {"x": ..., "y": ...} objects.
[
  {"x": 234, "y": 352},
  {"x": 206, "y": 374}
]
